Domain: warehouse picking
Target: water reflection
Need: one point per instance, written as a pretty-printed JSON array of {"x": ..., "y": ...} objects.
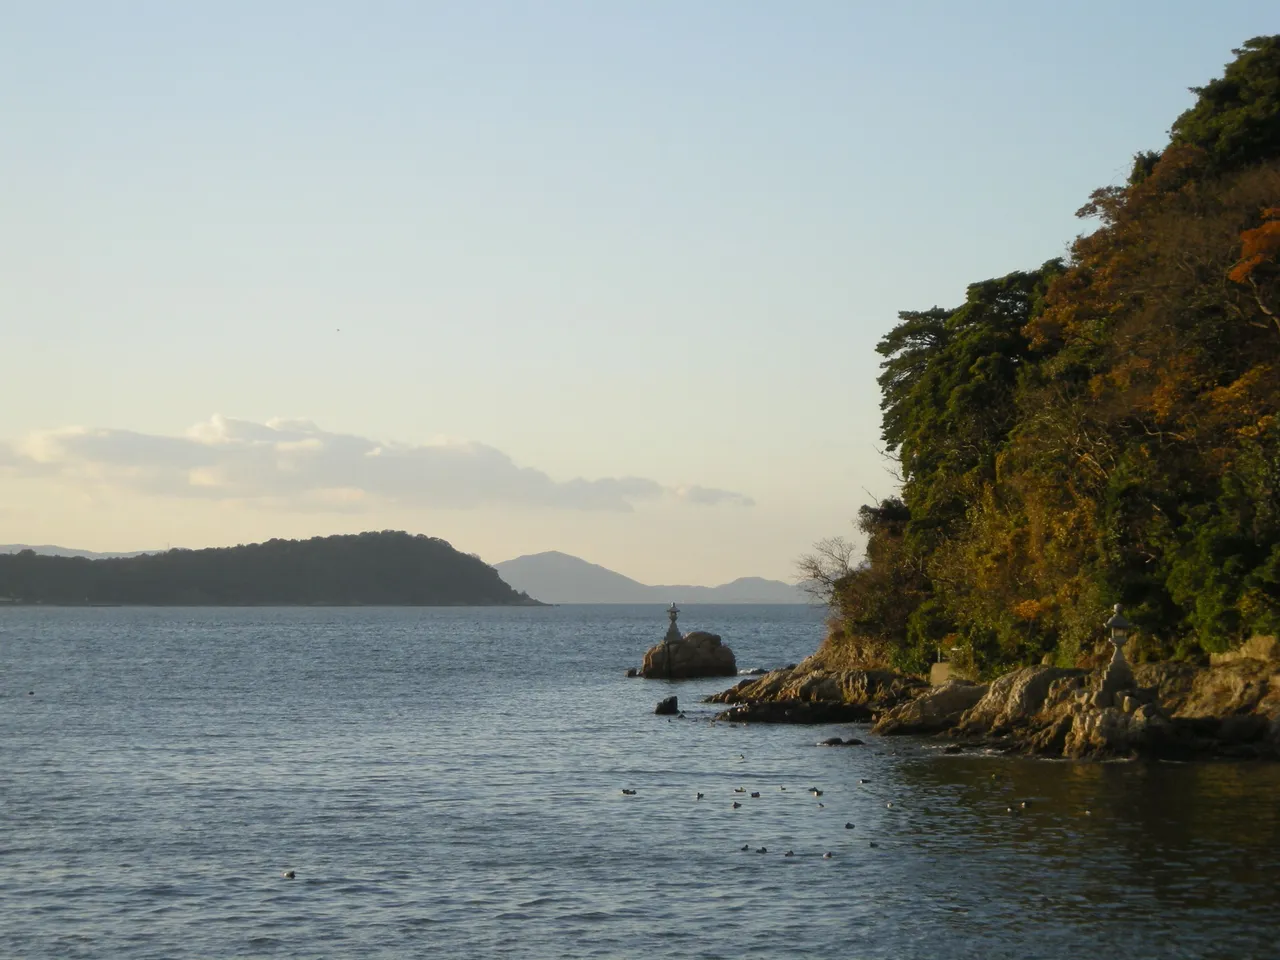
[{"x": 1137, "y": 850}]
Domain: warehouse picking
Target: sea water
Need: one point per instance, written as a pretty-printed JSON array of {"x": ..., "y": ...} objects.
[{"x": 448, "y": 783}]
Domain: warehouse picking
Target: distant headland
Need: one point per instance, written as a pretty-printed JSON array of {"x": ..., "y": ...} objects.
[
  {"x": 389, "y": 568},
  {"x": 560, "y": 578}
]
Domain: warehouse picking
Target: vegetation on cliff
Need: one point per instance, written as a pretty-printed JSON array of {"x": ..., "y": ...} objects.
[
  {"x": 1097, "y": 430},
  {"x": 387, "y": 568}
]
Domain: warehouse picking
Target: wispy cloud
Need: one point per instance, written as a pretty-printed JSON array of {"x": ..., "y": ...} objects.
[{"x": 296, "y": 462}]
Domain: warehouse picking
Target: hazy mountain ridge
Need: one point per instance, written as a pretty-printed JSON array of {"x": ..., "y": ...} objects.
[
  {"x": 52, "y": 550},
  {"x": 555, "y": 577}
]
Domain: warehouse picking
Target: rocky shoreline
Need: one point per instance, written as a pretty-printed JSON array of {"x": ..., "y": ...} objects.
[{"x": 1230, "y": 709}]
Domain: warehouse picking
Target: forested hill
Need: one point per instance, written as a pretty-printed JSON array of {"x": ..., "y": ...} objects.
[
  {"x": 1097, "y": 430},
  {"x": 388, "y": 568}
]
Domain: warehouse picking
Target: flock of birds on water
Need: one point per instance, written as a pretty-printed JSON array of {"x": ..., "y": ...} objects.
[{"x": 816, "y": 793}]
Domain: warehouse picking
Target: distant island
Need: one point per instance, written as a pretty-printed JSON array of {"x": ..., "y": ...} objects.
[
  {"x": 556, "y": 577},
  {"x": 51, "y": 550},
  {"x": 390, "y": 568}
]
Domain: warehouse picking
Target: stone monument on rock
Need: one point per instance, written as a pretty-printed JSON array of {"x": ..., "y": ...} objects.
[{"x": 683, "y": 657}]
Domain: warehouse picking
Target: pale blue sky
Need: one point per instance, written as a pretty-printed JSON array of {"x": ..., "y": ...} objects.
[{"x": 607, "y": 240}]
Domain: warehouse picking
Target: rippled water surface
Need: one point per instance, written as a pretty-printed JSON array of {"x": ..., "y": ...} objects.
[{"x": 446, "y": 783}]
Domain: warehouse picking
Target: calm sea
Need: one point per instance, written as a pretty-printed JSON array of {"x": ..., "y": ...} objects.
[{"x": 447, "y": 783}]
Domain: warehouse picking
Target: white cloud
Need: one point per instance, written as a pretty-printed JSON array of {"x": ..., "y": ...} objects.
[{"x": 295, "y": 462}]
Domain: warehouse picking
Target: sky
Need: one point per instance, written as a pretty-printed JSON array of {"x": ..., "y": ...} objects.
[{"x": 604, "y": 278}]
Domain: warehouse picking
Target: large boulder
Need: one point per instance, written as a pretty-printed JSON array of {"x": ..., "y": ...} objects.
[
  {"x": 696, "y": 654},
  {"x": 934, "y": 710}
]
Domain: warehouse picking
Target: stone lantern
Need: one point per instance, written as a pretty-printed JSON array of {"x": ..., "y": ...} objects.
[
  {"x": 673, "y": 632},
  {"x": 1118, "y": 677}
]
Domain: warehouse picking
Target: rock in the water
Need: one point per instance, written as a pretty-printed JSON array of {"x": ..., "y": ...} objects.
[
  {"x": 860, "y": 694},
  {"x": 666, "y": 706},
  {"x": 934, "y": 710},
  {"x": 797, "y": 711},
  {"x": 697, "y": 654}
]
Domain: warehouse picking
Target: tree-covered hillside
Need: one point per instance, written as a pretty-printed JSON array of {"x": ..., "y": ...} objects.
[
  {"x": 389, "y": 568},
  {"x": 1098, "y": 430}
]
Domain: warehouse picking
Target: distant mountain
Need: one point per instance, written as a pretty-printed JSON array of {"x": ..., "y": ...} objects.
[
  {"x": 388, "y": 568},
  {"x": 555, "y": 577},
  {"x": 49, "y": 550}
]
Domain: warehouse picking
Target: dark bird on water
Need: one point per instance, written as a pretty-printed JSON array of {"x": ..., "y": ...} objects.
[
  {"x": 739, "y": 789},
  {"x": 827, "y": 855},
  {"x": 756, "y": 794},
  {"x": 789, "y": 854},
  {"x": 698, "y": 797},
  {"x": 288, "y": 874},
  {"x": 763, "y": 850},
  {"x": 628, "y": 793},
  {"x": 746, "y": 846},
  {"x": 736, "y": 804},
  {"x": 848, "y": 825}
]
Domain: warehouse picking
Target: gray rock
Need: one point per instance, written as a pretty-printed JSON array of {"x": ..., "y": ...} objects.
[
  {"x": 933, "y": 711},
  {"x": 697, "y": 654}
]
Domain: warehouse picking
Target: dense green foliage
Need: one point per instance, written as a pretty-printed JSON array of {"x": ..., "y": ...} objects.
[
  {"x": 388, "y": 568},
  {"x": 1101, "y": 430}
]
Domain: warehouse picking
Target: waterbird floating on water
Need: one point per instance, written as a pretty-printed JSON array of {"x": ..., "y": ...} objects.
[
  {"x": 628, "y": 793},
  {"x": 789, "y": 854},
  {"x": 848, "y": 824},
  {"x": 288, "y": 874},
  {"x": 736, "y": 804},
  {"x": 698, "y": 797},
  {"x": 827, "y": 855},
  {"x": 756, "y": 794},
  {"x": 739, "y": 789},
  {"x": 763, "y": 850}
]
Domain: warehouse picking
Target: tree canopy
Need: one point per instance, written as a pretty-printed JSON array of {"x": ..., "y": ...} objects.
[{"x": 1099, "y": 430}]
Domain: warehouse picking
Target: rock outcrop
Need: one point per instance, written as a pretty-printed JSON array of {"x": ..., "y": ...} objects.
[
  {"x": 697, "y": 654},
  {"x": 935, "y": 710},
  {"x": 810, "y": 693},
  {"x": 1174, "y": 710}
]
